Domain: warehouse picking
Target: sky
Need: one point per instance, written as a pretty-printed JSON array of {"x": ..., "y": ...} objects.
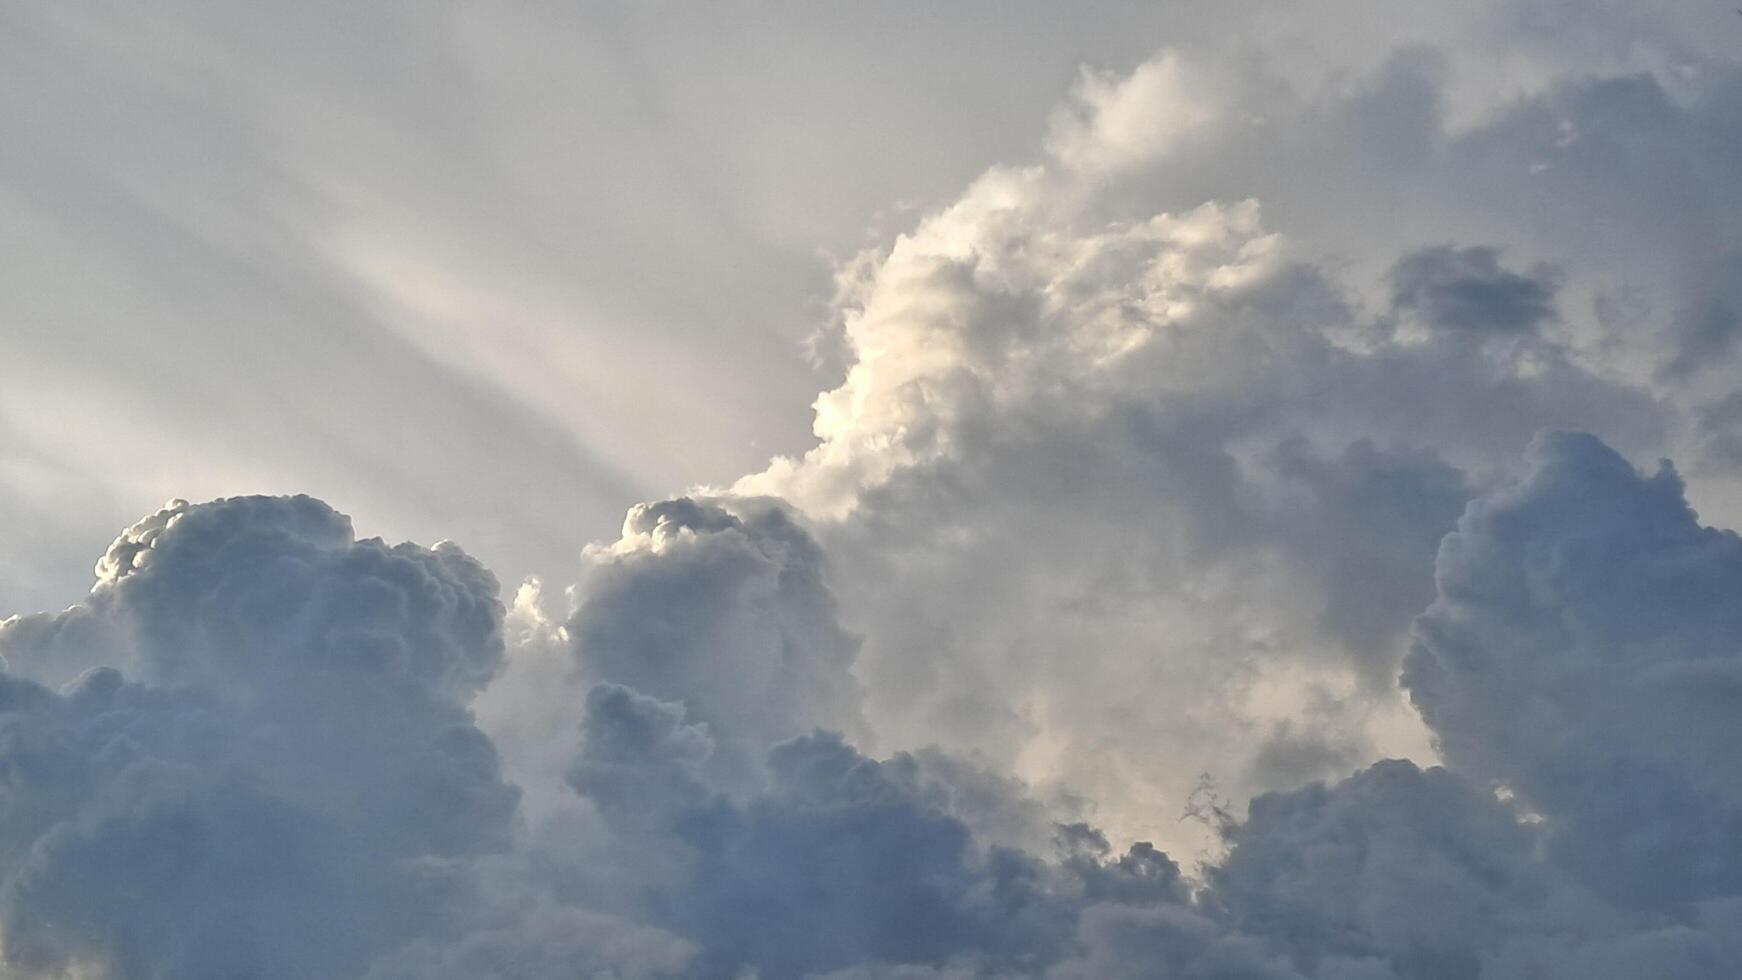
[{"x": 874, "y": 491}]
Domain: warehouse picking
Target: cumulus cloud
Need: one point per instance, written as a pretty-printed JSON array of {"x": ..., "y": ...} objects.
[
  {"x": 1581, "y": 653},
  {"x": 721, "y": 605},
  {"x": 307, "y": 769},
  {"x": 1093, "y": 488},
  {"x": 1406, "y": 873},
  {"x": 842, "y": 859},
  {"x": 1069, "y": 648},
  {"x": 273, "y": 782}
]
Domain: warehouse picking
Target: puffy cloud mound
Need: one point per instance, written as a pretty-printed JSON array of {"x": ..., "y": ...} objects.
[
  {"x": 1403, "y": 873},
  {"x": 841, "y": 859},
  {"x": 291, "y": 783},
  {"x": 845, "y": 866},
  {"x": 1583, "y": 652},
  {"x": 1418, "y": 869},
  {"x": 1094, "y": 490},
  {"x": 722, "y": 605},
  {"x": 275, "y": 787}
]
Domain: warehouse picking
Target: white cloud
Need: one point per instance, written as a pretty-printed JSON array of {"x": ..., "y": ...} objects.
[{"x": 1115, "y": 122}]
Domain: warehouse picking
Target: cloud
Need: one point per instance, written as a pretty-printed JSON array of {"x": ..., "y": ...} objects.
[
  {"x": 1582, "y": 653},
  {"x": 1122, "y": 943},
  {"x": 1124, "y": 511},
  {"x": 545, "y": 945},
  {"x": 1416, "y": 868},
  {"x": 722, "y": 605},
  {"x": 1411, "y": 873},
  {"x": 852, "y": 867},
  {"x": 639, "y": 761},
  {"x": 841, "y": 859},
  {"x": 297, "y": 761},
  {"x": 1705, "y": 330},
  {"x": 275, "y": 788},
  {"x": 1094, "y": 486},
  {"x": 1116, "y": 122},
  {"x": 1467, "y": 289}
]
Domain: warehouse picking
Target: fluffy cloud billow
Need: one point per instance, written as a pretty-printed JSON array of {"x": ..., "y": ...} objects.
[
  {"x": 1580, "y": 654},
  {"x": 287, "y": 780},
  {"x": 1224, "y": 554},
  {"x": 248, "y": 751}
]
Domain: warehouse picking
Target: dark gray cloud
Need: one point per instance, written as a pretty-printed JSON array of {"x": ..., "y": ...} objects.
[
  {"x": 1467, "y": 289},
  {"x": 1418, "y": 869},
  {"x": 842, "y": 859},
  {"x": 1706, "y": 329},
  {"x": 546, "y": 944},
  {"x": 639, "y": 761},
  {"x": 1721, "y": 431},
  {"x": 1424, "y": 875}
]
